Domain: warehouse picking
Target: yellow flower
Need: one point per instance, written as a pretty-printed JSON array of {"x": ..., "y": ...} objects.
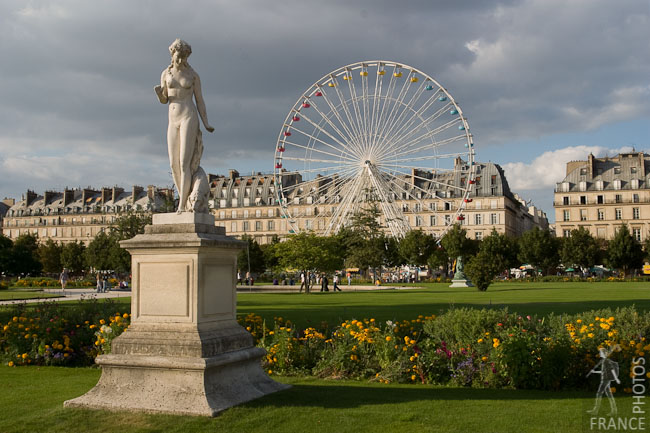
[
  {"x": 480, "y": 340},
  {"x": 102, "y": 322},
  {"x": 125, "y": 315},
  {"x": 590, "y": 335},
  {"x": 579, "y": 321},
  {"x": 25, "y": 355},
  {"x": 388, "y": 338},
  {"x": 484, "y": 358},
  {"x": 270, "y": 371},
  {"x": 495, "y": 342},
  {"x": 11, "y": 364},
  {"x": 413, "y": 377}
]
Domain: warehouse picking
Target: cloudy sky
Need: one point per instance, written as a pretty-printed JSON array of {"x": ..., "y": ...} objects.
[{"x": 542, "y": 82}]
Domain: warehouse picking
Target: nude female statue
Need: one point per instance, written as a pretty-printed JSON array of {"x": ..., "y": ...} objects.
[{"x": 178, "y": 83}]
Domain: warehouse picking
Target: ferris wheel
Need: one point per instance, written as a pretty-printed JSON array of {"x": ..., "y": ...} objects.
[{"x": 373, "y": 132}]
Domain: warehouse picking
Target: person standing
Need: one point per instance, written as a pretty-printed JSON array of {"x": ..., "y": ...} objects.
[
  {"x": 303, "y": 281},
  {"x": 98, "y": 286},
  {"x": 63, "y": 278},
  {"x": 349, "y": 279},
  {"x": 335, "y": 280},
  {"x": 323, "y": 283}
]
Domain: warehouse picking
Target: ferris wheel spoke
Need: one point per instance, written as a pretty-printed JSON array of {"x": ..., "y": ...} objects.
[
  {"x": 425, "y": 147},
  {"x": 392, "y": 162},
  {"x": 394, "y": 181},
  {"x": 400, "y": 108},
  {"x": 344, "y": 106},
  {"x": 376, "y": 102},
  {"x": 406, "y": 117},
  {"x": 355, "y": 105},
  {"x": 395, "y": 221},
  {"x": 385, "y": 103},
  {"x": 349, "y": 197},
  {"x": 397, "y": 103},
  {"x": 351, "y": 137},
  {"x": 401, "y": 143},
  {"x": 407, "y": 127},
  {"x": 346, "y": 138},
  {"x": 429, "y": 134},
  {"x": 343, "y": 147},
  {"x": 293, "y": 158},
  {"x": 315, "y": 149},
  {"x": 437, "y": 182}
]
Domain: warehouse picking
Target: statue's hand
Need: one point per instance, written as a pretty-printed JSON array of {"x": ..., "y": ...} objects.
[
  {"x": 209, "y": 128},
  {"x": 161, "y": 94}
]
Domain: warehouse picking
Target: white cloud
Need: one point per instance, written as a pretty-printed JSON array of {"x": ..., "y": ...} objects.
[{"x": 550, "y": 167}]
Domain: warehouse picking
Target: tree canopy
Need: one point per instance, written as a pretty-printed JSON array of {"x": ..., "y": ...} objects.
[
  {"x": 624, "y": 252},
  {"x": 539, "y": 248}
]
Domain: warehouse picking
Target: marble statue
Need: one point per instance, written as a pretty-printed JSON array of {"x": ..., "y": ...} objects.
[{"x": 178, "y": 83}]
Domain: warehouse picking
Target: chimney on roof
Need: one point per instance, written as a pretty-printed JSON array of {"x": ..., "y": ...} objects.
[
  {"x": 232, "y": 174},
  {"x": 68, "y": 196},
  {"x": 87, "y": 193},
  {"x": 48, "y": 196},
  {"x": 106, "y": 195},
  {"x": 116, "y": 191},
  {"x": 135, "y": 193},
  {"x": 151, "y": 192},
  {"x": 9, "y": 201},
  {"x": 642, "y": 164},
  {"x": 30, "y": 197},
  {"x": 590, "y": 161}
]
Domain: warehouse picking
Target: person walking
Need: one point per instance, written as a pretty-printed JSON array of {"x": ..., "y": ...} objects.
[
  {"x": 98, "y": 286},
  {"x": 349, "y": 279},
  {"x": 335, "y": 280},
  {"x": 608, "y": 373},
  {"x": 63, "y": 278},
  {"x": 303, "y": 282}
]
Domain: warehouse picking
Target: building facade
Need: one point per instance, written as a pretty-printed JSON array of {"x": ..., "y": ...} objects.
[
  {"x": 78, "y": 214},
  {"x": 247, "y": 205},
  {"x": 601, "y": 194}
]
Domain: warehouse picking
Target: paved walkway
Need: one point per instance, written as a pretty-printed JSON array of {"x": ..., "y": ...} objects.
[
  {"x": 72, "y": 295},
  {"x": 86, "y": 293}
]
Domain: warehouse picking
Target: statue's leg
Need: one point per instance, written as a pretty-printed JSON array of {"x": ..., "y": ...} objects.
[
  {"x": 188, "y": 143},
  {"x": 174, "y": 151}
]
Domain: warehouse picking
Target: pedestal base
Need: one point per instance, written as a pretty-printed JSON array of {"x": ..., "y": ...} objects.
[
  {"x": 182, "y": 386},
  {"x": 461, "y": 283},
  {"x": 184, "y": 352}
]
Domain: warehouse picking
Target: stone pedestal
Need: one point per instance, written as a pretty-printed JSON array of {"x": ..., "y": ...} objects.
[
  {"x": 184, "y": 352},
  {"x": 460, "y": 280}
]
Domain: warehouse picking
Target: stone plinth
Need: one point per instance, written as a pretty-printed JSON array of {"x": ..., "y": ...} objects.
[
  {"x": 184, "y": 352},
  {"x": 460, "y": 280}
]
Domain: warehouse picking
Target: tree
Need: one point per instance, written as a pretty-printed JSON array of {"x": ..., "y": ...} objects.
[
  {"x": 580, "y": 249},
  {"x": 417, "y": 247},
  {"x": 253, "y": 250},
  {"x": 624, "y": 252},
  {"x": 502, "y": 251},
  {"x": 125, "y": 227},
  {"x": 270, "y": 256},
  {"x": 481, "y": 270},
  {"x": 49, "y": 253},
  {"x": 364, "y": 242},
  {"x": 308, "y": 252},
  {"x": 98, "y": 251},
  {"x": 6, "y": 246},
  {"x": 456, "y": 243},
  {"x": 72, "y": 257},
  {"x": 540, "y": 249},
  {"x": 24, "y": 255}
]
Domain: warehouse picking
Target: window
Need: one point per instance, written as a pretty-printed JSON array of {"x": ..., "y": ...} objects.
[
  {"x": 633, "y": 170},
  {"x": 417, "y": 207},
  {"x": 433, "y": 206},
  {"x": 477, "y": 205},
  {"x": 618, "y": 198},
  {"x": 600, "y": 199},
  {"x": 270, "y": 225},
  {"x": 308, "y": 224},
  {"x": 258, "y": 226},
  {"x": 233, "y": 226},
  {"x": 636, "y": 232},
  {"x": 246, "y": 226},
  {"x": 583, "y": 214},
  {"x": 566, "y": 233},
  {"x": 635, "y": 198},
  {"x": 258, "y": 213},
  {"x": 617, "y": 170},
  {"x": 582, "y": 185},
  {"x": 447, "y": 206},
  {"x": 447, "y": 220},
  {"x": 477, "y": 180},
  {"x": 601, "y": 214},
  {"x": 418, "y": 221},
  {"x": 222, "y": 214},
  {"x": 618, "y": 214},
  {"x": 583, "y": 199},
  {"x": 493, "y": 179},
  {"x": 478, "y": 236},
  {"x": 233, "y": 214},
  {"x": 617, "y": 184},
  {"x": 478, "y": 219},
  {"x": 599, "y": 185},
  {"x": 635, "y": 213},
  {"x": 433, "y": 220},
  {"x": 246, "y": 214},
  {"x": 566, "y": 215},
  {"x": 270, "y": 213},
  {"x": 583, "y": 171},
  {"x": 565, "y": 201},
  {"x": 494, "y": 218}
]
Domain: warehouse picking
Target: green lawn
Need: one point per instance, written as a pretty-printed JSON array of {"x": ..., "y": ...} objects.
[
  {"x": 524, "y": 298},
  {"x": 34, "y": 397},
  {"x": 8, "y": 295}
]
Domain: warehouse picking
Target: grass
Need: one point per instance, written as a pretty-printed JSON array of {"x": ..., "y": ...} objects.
[
  {"x": 524, "y": 298},
  {"x": 34, "y": 397},
  {"x": 20, "y": 294}
]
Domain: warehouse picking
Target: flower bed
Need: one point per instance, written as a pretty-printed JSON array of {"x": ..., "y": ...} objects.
[
  {"x": 50, "y": 282},
  {"x": 465, "y": 347}
]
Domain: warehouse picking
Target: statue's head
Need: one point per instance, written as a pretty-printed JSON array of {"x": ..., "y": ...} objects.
[{"x": 181, "y": 47}]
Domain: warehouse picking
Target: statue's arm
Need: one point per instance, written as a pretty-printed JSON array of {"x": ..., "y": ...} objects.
[
  {"x": 161, "y": 90},
  {"x": 200, "y": 103}
]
